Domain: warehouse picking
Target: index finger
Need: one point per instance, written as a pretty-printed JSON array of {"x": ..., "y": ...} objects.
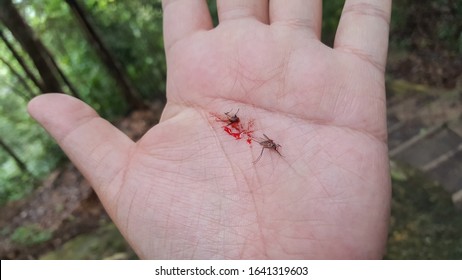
[{"x": 363, "y": 30}]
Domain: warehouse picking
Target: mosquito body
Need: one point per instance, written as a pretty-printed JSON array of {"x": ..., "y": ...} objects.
[
  {"x": 267, "y": 144},
  {"x": 232, "y": 118}
]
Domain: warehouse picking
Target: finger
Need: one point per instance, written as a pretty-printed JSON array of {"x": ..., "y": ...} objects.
[
  {"x": 98, "y": 149},
  {"x": 297, "y": 14},
  {"x": 237, "y": 9},
  {"x": 183, "y": 18},
  {"x": 363, "y": 30}
]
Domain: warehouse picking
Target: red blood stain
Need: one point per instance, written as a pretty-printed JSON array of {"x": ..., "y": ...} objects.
[
  {"x": 237, "y": 129},
  {"x": 237, "y": 134}
]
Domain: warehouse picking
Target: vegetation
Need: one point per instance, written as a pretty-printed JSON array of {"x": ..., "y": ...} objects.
[
  {"x": 133, "y": 35},
  {"x": 64, "y": 51},
  {"x": 30, "y": 235},
  {"x": 424, "y": 222},
  {"x": 105, "y": 243}
]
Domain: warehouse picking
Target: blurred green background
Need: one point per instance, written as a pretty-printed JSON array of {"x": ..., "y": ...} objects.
[{"x": 424, "y": 223}]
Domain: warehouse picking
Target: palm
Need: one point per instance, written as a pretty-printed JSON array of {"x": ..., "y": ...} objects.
[{"x": 189, "y": 190}]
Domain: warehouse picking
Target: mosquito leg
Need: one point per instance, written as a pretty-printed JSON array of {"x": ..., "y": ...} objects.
[
  {"x": 278, "y": 151},
  {"x": 262, "y": 149}
]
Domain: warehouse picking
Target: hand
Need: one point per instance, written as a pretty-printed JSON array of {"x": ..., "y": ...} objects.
[{"x": 189, "y": 190}]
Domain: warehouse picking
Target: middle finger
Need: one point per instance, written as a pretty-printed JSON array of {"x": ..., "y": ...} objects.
[
  {"x": 297, "y": 14},
  {"x": 238, "y": 9}
]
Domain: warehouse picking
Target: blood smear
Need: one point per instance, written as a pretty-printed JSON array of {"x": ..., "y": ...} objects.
[
  {"x": 235, "y": 133},
  {"x": 238, "y": 130}
]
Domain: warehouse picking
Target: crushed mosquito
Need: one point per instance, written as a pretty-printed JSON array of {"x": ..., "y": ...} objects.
[
  {"x": 267, "y": 144},
  {"x": 232, "y": 118},
  {"x": 234, "y": 126}
]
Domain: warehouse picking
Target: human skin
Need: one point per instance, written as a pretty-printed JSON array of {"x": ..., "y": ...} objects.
[{"x": 187, "y": 190}]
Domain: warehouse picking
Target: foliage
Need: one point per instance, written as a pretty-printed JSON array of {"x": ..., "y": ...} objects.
[
  {"x": 331, "y": 16},
  {"x": 135, "y": 29},
  {"x": 29, "y": 141},
  {"x": 105, "y": 243},
  {"x": 132, "y": 30},
  {"x": 412, "y": 29},
  {"x": 424, "y": 223},
  {"x": 58, "y": 30},
  {"x": 30, "y": 235}
]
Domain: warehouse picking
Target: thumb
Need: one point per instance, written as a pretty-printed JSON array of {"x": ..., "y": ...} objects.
[{"x": 98, "y": 149}]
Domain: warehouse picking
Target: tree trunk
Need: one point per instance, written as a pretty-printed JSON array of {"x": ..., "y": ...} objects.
[
  {"x": 131, "y": 95},
  {"x": 66, "y": 81},
  {"x": 15, "y": 157},
  {"x": 21, "y": 62},
  {"x": 11, "y": 18}
]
